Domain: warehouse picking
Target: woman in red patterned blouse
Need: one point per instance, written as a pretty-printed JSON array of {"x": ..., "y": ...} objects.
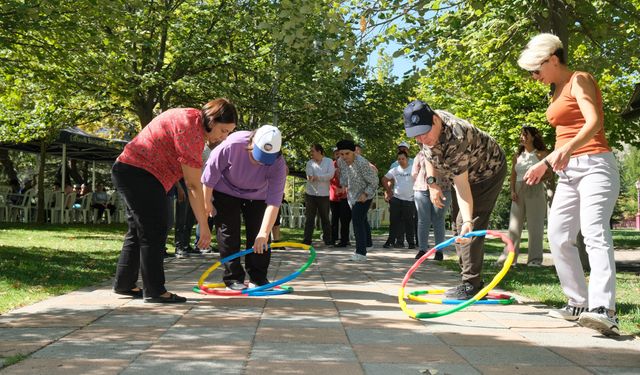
[{"x": 167, "y": 149}]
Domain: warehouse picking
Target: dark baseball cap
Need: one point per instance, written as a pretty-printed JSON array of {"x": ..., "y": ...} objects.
[{"x": 418, "y": 118}]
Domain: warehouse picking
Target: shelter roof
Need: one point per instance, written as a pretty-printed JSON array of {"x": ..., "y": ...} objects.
[{"x": 80, "y": 146}]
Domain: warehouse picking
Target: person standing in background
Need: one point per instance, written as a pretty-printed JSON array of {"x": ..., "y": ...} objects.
[
  {"x": 319, "y": 171},
  {"x": 428, "y": 214},
  {"x": 361, "y": 182},
  {"x": 340, "y": 210},
  {"x": 398, "y": 185},
  {"x": 527, "y": 201}
]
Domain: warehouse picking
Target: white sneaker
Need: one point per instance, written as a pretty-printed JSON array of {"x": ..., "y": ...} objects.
[
  {"x": 600, "y": 320},
  {"x": 355, "y": 257},
  {"x": 570, "y": 313}
]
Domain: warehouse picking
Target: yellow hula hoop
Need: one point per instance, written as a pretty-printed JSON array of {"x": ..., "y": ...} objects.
[{"x": 472, "y": 300}]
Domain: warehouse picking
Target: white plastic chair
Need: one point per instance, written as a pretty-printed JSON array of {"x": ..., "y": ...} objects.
[
  {"x": 297, "y": 216},
  {"x": 4, "y": 208},
  {"x": 285, "y": 215},
  {"x": 21, "y": 210}
]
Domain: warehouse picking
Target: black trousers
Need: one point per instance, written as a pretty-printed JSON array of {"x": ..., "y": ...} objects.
[
  {"x": 361, "y": 226},
  {"x": 184, "y": 220},
  {"x": 402, "y": 217},
  {"x": 146, "y": 202},
  {"x": 315, "y": 205},
  {"x": 340, "y": 219},
  {"x": 230, "y": 210}
]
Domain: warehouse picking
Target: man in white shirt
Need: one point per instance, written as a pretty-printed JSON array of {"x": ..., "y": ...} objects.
[
  {"x": 320, "y": 171},
  {"x": 398, "y": 185}
]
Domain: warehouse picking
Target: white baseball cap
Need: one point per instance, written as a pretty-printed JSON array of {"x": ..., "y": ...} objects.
[
  {"x": 403, "y": 144},
  {"x": 267, "y": 142}
]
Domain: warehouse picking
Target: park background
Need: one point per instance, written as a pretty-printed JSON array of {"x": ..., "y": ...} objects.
[{"x": 319, "y": 70}]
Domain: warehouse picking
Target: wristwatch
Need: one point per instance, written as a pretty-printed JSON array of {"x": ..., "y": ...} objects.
[{"x": 431, "y": 180}]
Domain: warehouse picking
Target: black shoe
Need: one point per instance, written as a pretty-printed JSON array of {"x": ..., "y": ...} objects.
[
  {"x": 411, "y": 247},
  {"x": 464, "y": 291},
  {"x": 398, "y": 246},
  {"x": 342, "y": 244},
  {"x": 420, "y": 254},
  {"x": 306, "y": 242},
  {"x": 173, "y": 298},
  {"x": 438, "y": 256},
  {"x": 387, "y": 246},
  {"x": 236, "y": 286},
  {"x": 253, "y": 284},
  {"x": 130, "y": 293},
  {"x": 191, "y": 250}
]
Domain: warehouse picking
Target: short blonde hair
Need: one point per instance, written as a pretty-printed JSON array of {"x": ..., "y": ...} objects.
[{"x": 539, "y": 48}]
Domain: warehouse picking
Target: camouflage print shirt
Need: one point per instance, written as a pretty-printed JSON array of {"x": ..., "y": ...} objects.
[{"x": 463, "y": 147}]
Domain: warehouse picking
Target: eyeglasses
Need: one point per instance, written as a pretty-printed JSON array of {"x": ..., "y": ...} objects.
[{"x": 537, "y": 71}]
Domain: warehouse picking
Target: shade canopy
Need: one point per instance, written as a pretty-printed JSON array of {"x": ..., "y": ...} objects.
[{"x": 79, "y": 146}]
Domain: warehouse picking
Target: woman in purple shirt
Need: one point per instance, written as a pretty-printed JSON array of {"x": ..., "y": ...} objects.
[{"x": 246, "y": 175}]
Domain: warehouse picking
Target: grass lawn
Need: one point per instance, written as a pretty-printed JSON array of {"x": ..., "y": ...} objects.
[{"x": 37, "y": 262}]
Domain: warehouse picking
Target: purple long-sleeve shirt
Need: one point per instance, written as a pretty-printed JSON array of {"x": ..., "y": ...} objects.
[{"x": 229, "y": 170}]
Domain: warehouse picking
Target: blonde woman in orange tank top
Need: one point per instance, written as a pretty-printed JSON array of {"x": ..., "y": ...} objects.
[{"x": 587, "y": 190}]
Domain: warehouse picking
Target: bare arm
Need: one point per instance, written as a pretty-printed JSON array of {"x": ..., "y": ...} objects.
[
  {"x": 512, "y": 179},
  {"x": 387, "y": 184},
  {"x": 465, "y": 202}
]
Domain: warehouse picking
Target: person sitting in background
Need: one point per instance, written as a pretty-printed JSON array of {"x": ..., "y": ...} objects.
[{"x": 100, "y": 201}]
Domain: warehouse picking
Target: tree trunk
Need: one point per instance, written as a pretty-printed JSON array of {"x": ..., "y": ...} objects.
[
  {"x": 7, "y": 164},
  {"x": 40, "y": 213},
  {"x": 144, "y": 110}
]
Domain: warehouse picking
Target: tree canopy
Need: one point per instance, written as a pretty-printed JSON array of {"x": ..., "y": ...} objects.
[{"x": 112, "y": 65}]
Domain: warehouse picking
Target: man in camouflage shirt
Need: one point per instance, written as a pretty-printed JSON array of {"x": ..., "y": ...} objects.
[{"x": 475, "y": 163}]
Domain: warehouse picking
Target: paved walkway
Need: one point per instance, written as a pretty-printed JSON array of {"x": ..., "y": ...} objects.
[{"x": 343, "y": 318}]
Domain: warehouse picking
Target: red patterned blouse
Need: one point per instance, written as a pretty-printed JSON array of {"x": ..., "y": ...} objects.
[{"x": 173, "y": 138}]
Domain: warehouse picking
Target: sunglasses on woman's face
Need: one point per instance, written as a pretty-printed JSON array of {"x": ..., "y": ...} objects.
[{"x": 537, "y": 71}]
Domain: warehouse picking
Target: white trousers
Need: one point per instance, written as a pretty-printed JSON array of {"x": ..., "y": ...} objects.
[{"x": 585, "y": 196}]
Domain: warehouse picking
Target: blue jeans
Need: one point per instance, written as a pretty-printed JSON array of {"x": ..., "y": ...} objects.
[
  {"x": 429, "y": 215},
  {"x": 361, "y": 228}
]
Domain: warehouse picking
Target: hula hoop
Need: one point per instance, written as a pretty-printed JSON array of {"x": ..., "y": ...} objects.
[
  {"x": 472, "y": 300},
  {"x": 219, "y": 291},
  {"x": 492, "y": 298},
  {"x": 259, "y": 290}
]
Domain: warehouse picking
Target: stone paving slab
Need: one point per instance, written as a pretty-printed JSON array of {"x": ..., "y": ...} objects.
[{"x": 343, "y": 318}]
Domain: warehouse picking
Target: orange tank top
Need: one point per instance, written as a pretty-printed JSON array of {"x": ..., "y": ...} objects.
[{"x": 564, "y": 114}]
